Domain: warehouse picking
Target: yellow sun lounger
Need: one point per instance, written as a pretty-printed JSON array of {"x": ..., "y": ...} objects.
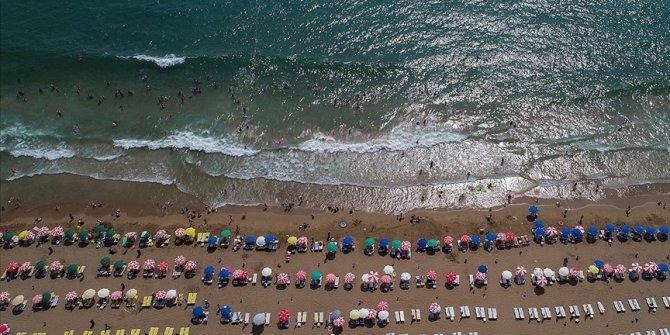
[
  {"x": 135, "y": 332},
  {"x": 146, "y": 302},
  {"x": 120, "y": 332},
  {"x": 105, "y": 332},
  {"x": 88, "y": 332},
  {"x": 184, "y": 330},
  {"x": 40, "y": 333},
  {"x": 191, "y": 298},
  {"x": 68, "y": 332},
  {"x": 168, "y": 331},
  {"x": 153, "y": 331}
]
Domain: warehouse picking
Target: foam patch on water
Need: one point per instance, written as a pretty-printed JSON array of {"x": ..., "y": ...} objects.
[
  {"x": 190, "y": 141},
  {"x": 168, "y": 60}
]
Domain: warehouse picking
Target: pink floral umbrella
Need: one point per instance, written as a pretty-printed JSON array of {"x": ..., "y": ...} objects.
[
  {"x": 636, "y": 267},
  {"x": 373, "y": 277},
  {"x": 302, "y": 241},
  {"x": 237, "y": 274},
  {"x": 13, "y": 266},
  {"x": 116, "y": 296},
  {"x": 465, "y": 239},
  {"x": 435, "y": 308},
  {"x": 191, "y": 265},
  {"x": 43, "y": 231},
  {"x": 330, "y": 278},
  {"x": 131, "y": 236},
  {"x": 521, "y": 271},
  {"x": 162, "y": 266},
  {"x": 149, "y": 265},
  {"x": 383, "y": 305},
  {"x": 282, "y": 278},
  {"x": 133, "y": 265},
  {"x": 431, "y": 275},
  {"x": 301, "y": 275},
  {"x": 25, "y": 267},
  {"x": 480, "y": 276},
  {"x": 179, "y": 260},
  {"x": 4, "y": 329},
  {"x": 551, "y": 231},
  {"x": 37, "y": 299},
  {"x": 339, "y": 322},
  {"x": 349, "y": 278},
  {"x": 500, "y": 237},
  {"x": 29, "y": 236},
  {"x": 71, "y": 296},
  {"x": 4, "y": 297},
  {"x": 620, "y": 269},
  {"x": 55, "y": 266},
  {"x": 385, "y": 279},
  {"x": 405, "y": 245},
  {"x": 180, "y": 232},
  {"x": 372, "y": 314},
  {"x": 574, "y": 272},
  {"x": 160, "y": 234},
  {"x": 608, "y": 268},
  {"x": 448, "y": 240},
  {"x": 160, "y": 295},
  {"x": 57, "y": 231},
  {"x": 541, "y": 281},
  {"x": 510, "y": 236}
]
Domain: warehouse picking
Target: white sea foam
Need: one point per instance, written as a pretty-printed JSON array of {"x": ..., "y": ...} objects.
[
  {"x": 165, "y": 61},
  {"x": 43, "y": 153},
  {"x": 190, "y": 141}
]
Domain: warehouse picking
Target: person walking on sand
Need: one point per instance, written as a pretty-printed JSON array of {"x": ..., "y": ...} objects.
[
  {"x": 92, "y": 324},
  {"x": 139, "y": 253}
]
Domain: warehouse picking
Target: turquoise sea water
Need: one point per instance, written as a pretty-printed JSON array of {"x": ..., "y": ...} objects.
[{"x": 343, "y": 103}]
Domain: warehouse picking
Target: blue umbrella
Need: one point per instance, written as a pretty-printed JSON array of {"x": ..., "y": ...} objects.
[
  {"x": 422, "y": 243},
  {"x": 663, "y": 230},
  {"x": 224, "y": 273},
  {"x": 638, "y": 229},
  {"x": 651, "y": 231},
  {"x": 592, "y": 231},
  {"x": 198, "y": 311},
  {"x": 212, "y": 241},
  {"x": 490, "y": 237},
  {"x": 539, "y": 224},
  {"x": 624, "y": 230},
  {"x": 269, "y": 238},
  {"x": 384, "y": 242},
  {"x": 539, "y": 233},
  {"x": 532, "y": 210},
  {"x": 347, "y": 240},
  {"x": 250, "y": 239},
  {"x": 474, "y": 239},
  {"x": 598, "y": 263},
  {"x": 576, "y": 232},
  {"x": 565, "y": 231},
  {"x": 663, "y": 267},
  {"x": 226, "y": 310},
  {"x": 482, "y": 268},
  {"x": 209, "y": 270},
  {"x": 610, "y": 228}
]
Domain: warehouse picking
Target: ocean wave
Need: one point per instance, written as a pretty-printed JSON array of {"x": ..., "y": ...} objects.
[
  {"x": 190, "y": 141},
  {"x": 166, "y": 61}
]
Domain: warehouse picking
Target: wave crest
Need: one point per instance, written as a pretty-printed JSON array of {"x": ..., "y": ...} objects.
[
  {"x": 166, "y": 61},
  {"x": 190, "y": 141}
]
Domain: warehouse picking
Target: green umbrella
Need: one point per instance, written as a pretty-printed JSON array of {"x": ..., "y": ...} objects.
[
  {"x": 69, "y": 234},
  {"x": 72, "y": 268},
  {"x": 395, "y": 244},
  {"x": 332, "y": 247},
  {"x": 105, "y": 261},
  {"x": 369, "y": 242},
  {"x": 46, "y": 296},
  {"x": 118, "y": 265},
  {"x": 225, "y": 233},
  {"x": 7, "y": 236},
  {"x": 316, "y": 275},
  {"x": 40, "y": 265},
  {"x": 83, "y": 236},
  {"x": 110, "y": 233},
  {"x": 432, "y": 243},
  {"x": 99, "y": 229}
]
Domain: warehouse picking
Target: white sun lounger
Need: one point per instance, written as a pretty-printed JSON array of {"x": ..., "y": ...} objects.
[
  {"x": 651, "y": 302},
  {"x": 321, "y": 317},
  {"x": 634, "y": 304},
  {"x": 465, "y": 311},
  {"x": 397, "y": 317},
  {"x": 546, "y": 313},
  {"x": 413, "y": 314},
  {"x": 560, "y": 312},
  {"x": 479, "y": 312},
  {"x": 666, "y": 302},
  {"x": 472, "y": 281},
  {"x": 532, "y": 314},
  {"x": 316, "y": 319},
  {"x": 449, "y": 311},
  {"x": 267, "y": 319},
  {"x": 337, "y": 282},
  {"x": 574, "y": 311},
  {"x": 473, "y": 333},
  {"x": 418, "y": 315},
  {"x": 664, "y": 331},
  {"x": 518, "y": 313},
  {"x": 651, "y": 332},
  {"x": 493, "y": 313},
  {"x": 402, "y": 316},
  {"x": 246, "y": 319},
  {"x": 254, "y": 279},
  {"x": 586, "y": 311},
  {"x": 298, "y": 320},
  {"x": 601, "y": 308},
  {"x": 456, "y": 333}
]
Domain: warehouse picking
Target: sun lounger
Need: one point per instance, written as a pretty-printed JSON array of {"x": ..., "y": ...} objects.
[
  {"x": 397, "y": 316},
  {"x": 168, "y": 331},
  {"x": 465, "y": 311},
  {"x": 560, "y": 312},
  {"x": 449, "y": 313},
  {"x": 86, "y": 332},
  {"x": 254, "y": 279},
  {"x": 153, "y": 331},
  {"x": 601, "y": 308},
  {"x": 402, "y": 316},
  {"x": 479, "y": 312},
  {"x": 651, "y": 302},
  {"x": 581, "y": 275},
  {"x": 546, "y": 313},
  {"x": 184, "y": 330},
  {"x": 191, "y": 298},
  {"x": 651, "y": 332},
  {"x": 418, "y": 315},
  {"x": 147, "y": 301},
  {"x": 298, "y": 320},
  {"x": 80, "y": 270},
  {"x": 413, "y": 311},
  {"x": 634, "y": 304},
  {"x": 472, "y": 281},
  {"x": 518, "y": 313},
  {"x": 135, "y": 331},
  {"x": 337, "y": 282},
  {"x": 574, "y": 311},
  {"x": 246, "y": 319},
  {"x": 587, "y": 311},
  {"x": 316, "y": 319},
  {"x": 533, "y": 314},
  {"x": 666, "y": 302},
  {"x": 68, "y": 332},
  {"x": 321, "y": 317},
  {"x": 120, "y": 332},
  {"x": 493, "y": 313},
  {"x": 664, "y": 331},
  {"x": 267, "y": 319}
]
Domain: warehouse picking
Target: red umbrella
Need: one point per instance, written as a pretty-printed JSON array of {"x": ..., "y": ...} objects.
[
  {"x": 4, "y": 329},
  {"x": 330, "y": 278},
  {"x": 480, "y": 276},
  {"x": 432, "y": 275},
  {"x": 448, "y": 240},
  {"x": 451, "y": 276},
  {"x": 510, "y": 236},
  {"x": 284, "y": 316},
  {"x": 339, "y": 322},
  {"x": 162, "y": 267},
  {"x": 301, "y": 275},
  {"x": 383, "y": 305},
  {"x": 385, "y": 279},
  {"x": 465, "y": 239},
  {"x": 282, "y": 278},
  {"x": 13, "y": 266},
  {"x": 349, "y": 278}
]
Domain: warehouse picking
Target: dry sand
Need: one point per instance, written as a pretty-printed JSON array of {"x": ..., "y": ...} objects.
[{"x": 435, "y": 224}]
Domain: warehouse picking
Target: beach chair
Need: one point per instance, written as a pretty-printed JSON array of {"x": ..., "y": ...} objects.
[
  {"x": 168, "y": 331},
  {"x": 184, "y": 330},
  {"x": 590, "y": 308},
  {"x": 418, "y": 315},
  {"x": 254, "y": 279},
  {"x": 4, "y": 275},
  {"x": 321, "y": 318},
  {"x": 581, "y": 275},
  {"x": 68, "y": 332},
  {"x": 465, "y": 311},
  {"x": 479, "y": 313},
  {"x": 559, "y": 315},
  {"x": 105, "y": 332},
  {"x": 147, "y": 301},
  {"x": 120, "y": 332},
  {"x": 634, "y": 306},
  {"x": 246, "y": 319},
  {"x": 518, "y": 313},
  {"x": 80, "y": 270},
  {"x": 493, "y": 313},
  {"x": 267, "y": 319},
  {"x": 666, "y": 302},
  {"x": 192, "y": 296},
  {"x": 135, "y": 331},
  {"x": 472, "y": 281},
  {"x": 664, "y": 331},
  {"x": 402, "y": 316},
  {"x": 413, "y": 311},
  {"x": 298, "y": 320},
  {"x": 397, "y": 317},
  {"x": 546, "y": 313},
  {"x": 601, "y": 308},
  {"x": 449, "y": 312},
  {"x": 337, "y": 282},
  {"x": 574, "y": 311},
  {"x": 86, "y": 332},
  {"x": 651, "y": 302},
  {"x": 316, "y": 319}
]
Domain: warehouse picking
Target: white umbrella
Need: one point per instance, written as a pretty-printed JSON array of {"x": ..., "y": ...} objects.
[
  {"x": 259, "y": 319},
  {"x": 103, "y": 293},
  {"x": 405, "y": 276},
  {"x": 383, "y": 315},
  {"x": 548, "y": 272},
  {"x": 507, "y": 275},
  {"x": 88, "y": 294},
  {"x": 171, "y": 294},
  {"x": 388, "y": 270},
  {"x": 363, "y": 313},
  {"x": 266, "y": 272},
  {"x": 260, "y": 241},
  {"x": 538, "y": 272},
  {"x": 365, "y": 278},
  {"x": 132, "y": 293},
  {"x": 563, "y": 271}
]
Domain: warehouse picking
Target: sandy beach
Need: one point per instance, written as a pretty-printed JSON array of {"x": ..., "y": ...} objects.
[{"x": 254, "y": 298}]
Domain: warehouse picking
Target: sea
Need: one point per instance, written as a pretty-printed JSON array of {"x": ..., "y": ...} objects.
[{"x": 363, "y": 104}]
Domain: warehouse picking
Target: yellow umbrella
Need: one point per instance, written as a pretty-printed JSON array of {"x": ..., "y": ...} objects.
[
  {"x": 132, "y": 293},
  {"x": 88, "y": 294},
  {"x": 19, "y": 299},
  {"x": 593, "y": 269},
  {"x": 190, "y": 232},
  {"x": 292, "y": 240},
  {"x": 23, "y": 234}
]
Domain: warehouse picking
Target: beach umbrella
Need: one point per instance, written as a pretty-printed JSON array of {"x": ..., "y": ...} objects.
[
  {"x": 480, "y": 276},
  {"x": 507, "y": 275},
  {"x": 539, "y": 233},
  {"x": 43, "y": 231},
  {"x": 259, "y": 319},
  {"x": 565, "y": 231},
  {"x": 373, "y": 277},
  {"x": 636, "y": 267},
  {"x": 71, "y": 296},
  {"x": 405, "y": 276},
  {"x": 451, "y": 276},
  {"x": 282, "y": 278},
  {"x": 448, "y": 240},
  {"x": 431, "y": 275},
  {"x": 363, "y": 313},
  {"x": 4, "y": 329},
  {"x": 69, "y": 234},
  {"x": 225, "y": 233},
  {"x": 662, "y": 267},
  {"x": 83, "y": 235},
  {"x": 180, "y": 232},
  {"x": 7, "y": 236},
  {"x": 226, "y": 311},
  {"x": 433, "y": 243},
  {"x": 541, "y": 281},
  {"x": 300, "y": 275},
  {"x": 316, "y": 275},
  {"x": 609, "y": 228},
  {"x": 4, "y": 297},
  {"x": 638, "y": 229},
  {"x": 269, "y": 239},
  {"x": 663, "y": 230},
  {"x": 563, "y": 271},
  {"x": 593, "y": 231},
  {"x": 369, "y": 242},
  {"x": 598, "y": 263},
  {"x": 284, "y": 316},
  {"x": 388, "y": 269},
  {"x": 338, "y": 322},
  {"x": 99, "y": 229},
  {"x": 624, "y": 229},
  {"x": 19, "y": 299},
  {"x": 548, "y": 272},
  {"x": 593, "y": 269},
  {"x": 354, "y": 314},
  {"x": 650, "y": 267},
  {"x": 105, "y": 261},
  {"x": 118, "y": 265},
  {"x": 149, "y": 264},
  {"x": 88, "y": 294},
  {"x": 160, "y": 295},
  {"x": 179, "y": 261},
  {"x": 292, "y": 240},
  {"x": 365, "y": 278},
  {"x": 132, "y": 293},
  {"x": 161, "y": 234},
  {"x": 266, "y": 272},
  {"x": 608, "y": 268},
  {"x": 510, "y": 236},
  {"x": 395, "y": 244},
  {"x": 383, "y": 305},
  {"x": 383, "y": 315},
  {"x": 576, "y": 233},
  {"x": 483, "y": 268},
  {"x": 212, "y": 241},
  {"x": 37, "y": 299},
  {"x": 421, "y": 243},
  {"x": 330, "y": 278},
  {"x": 501, "y": 237},
  {"x": 302, "y": 241},
  {"x": 209, "y": 270},
  {"x": 116, "y": 295},
  {"x": 474, "y": 239},
  {"x": 539, "y": 224},
  {"x": 56, "y": 231},
  {"x": 349, "y": 278},
  {"x": 348, "y": 240},
  {"x": 538, "y": 272},
  {"x": 435, "y": 308},
  {"x": 191, "y": 265},
  {"x": 132, "y": 236},
  {"x": 650, "y": 231},
  {"x": 580, "y": 228},
  {"x": 332, "y": 247},
  {"x": 162, "y": 266},
  {"x": 384, "y": 242},
  {"x": 25, "y": 266},
  {"x": 620, "y": 269},
  {"x": 532, "y": 209},
  {"x": 55, "y": 266},
  {"x": 103, "y": 293},
  {"x": 335, "y": 314},
  {"x": 238, "y": 274},
  {"x": 372, "y": 314},
  {"x": 260, "y": 241},
  {"x": 133, "y": 265},
  {"x": 551, "y": 231},
  {"x": 171, "y": 294},
  {"x": 190, "y": 232},
  {"x": 110, "y": 233},
  {"x": 465, "y": 239},
  {"x": 198, "y": 312},
  {"x": 490, "y": 237},
  {"x": 224, "y": 273},
  {"x": 72, "y": 268},
  {"x": 405, "y": 245},
  {"x": 385, "y": 279}
]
